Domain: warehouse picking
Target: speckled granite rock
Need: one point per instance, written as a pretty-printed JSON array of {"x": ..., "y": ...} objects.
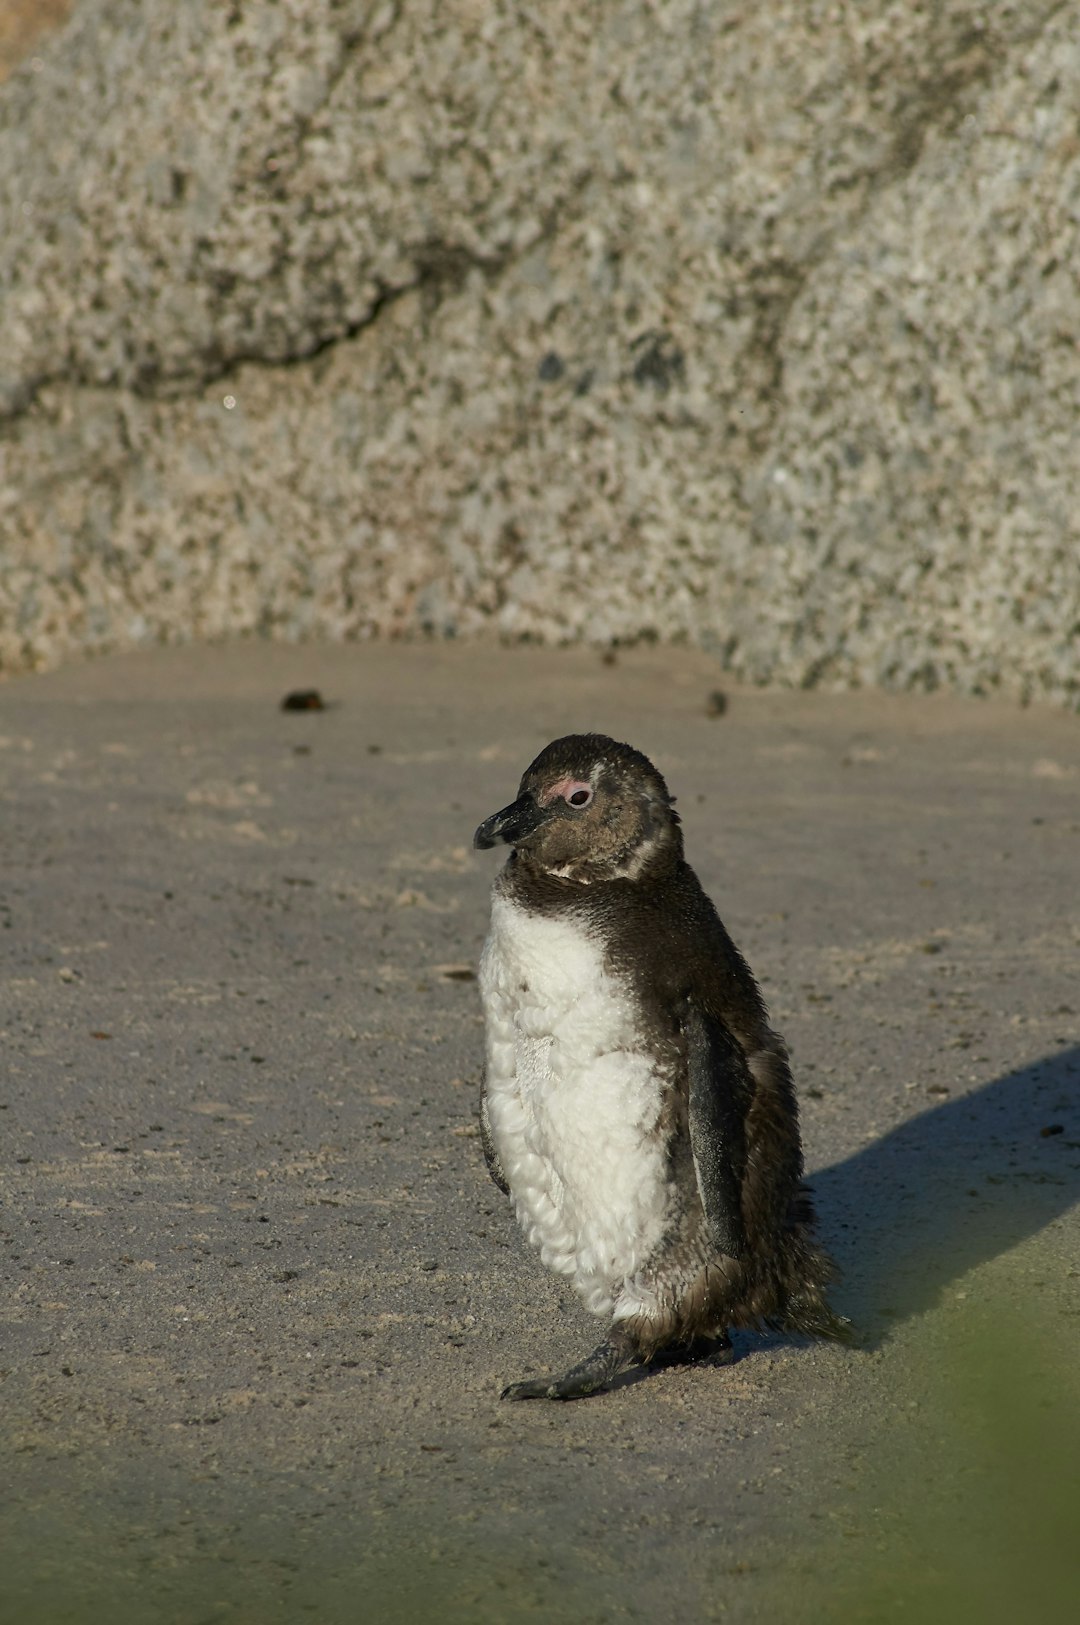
[{"x": 752, "y": 327}]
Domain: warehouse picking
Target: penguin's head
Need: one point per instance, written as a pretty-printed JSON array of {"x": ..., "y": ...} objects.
[{"x": 589, "y": 809}]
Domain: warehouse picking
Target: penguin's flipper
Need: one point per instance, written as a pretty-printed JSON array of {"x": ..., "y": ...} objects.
[
  {"x": 716, "y": 1075},
  {"x": 491, "y": 1156}
]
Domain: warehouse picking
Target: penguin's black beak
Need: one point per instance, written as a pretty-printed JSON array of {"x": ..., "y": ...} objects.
[{"x": 513, "y": 825}]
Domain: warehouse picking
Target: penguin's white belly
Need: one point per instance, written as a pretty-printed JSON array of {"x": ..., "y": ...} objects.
[{"x": 573, "y": 1102}]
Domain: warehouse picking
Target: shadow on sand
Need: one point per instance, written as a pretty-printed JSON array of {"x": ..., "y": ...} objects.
[{"x": 950, "y": 1189}]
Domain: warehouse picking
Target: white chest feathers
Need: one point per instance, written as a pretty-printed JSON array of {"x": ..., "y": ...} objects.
[{"x": 573, "y": 1101}]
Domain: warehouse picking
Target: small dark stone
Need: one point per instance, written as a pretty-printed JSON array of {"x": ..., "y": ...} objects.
[
  {"x": 1052, "y": 1128},
  {"x": 660, "y": 362},
  {"x": 716, "y": 704},
  {"x": 303, "y": 699},
  {"x": 551, "y": 368}
]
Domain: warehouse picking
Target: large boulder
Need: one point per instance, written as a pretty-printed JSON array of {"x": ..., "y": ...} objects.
[{"x": 754, "y": 326}]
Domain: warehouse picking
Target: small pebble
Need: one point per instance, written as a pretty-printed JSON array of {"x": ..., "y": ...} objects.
[
  {"x": 456, "y": 973},
  {"x": 551, "y": 368}
]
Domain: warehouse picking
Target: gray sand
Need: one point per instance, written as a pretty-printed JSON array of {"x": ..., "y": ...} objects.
[{"x": 259, "y": 1295}]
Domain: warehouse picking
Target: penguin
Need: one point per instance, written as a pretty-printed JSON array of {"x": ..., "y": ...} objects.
[{"x": 636, "y": 1106}]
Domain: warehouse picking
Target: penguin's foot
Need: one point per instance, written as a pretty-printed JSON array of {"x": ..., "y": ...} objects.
[
  {"x": 588, "y": 1377},
  {"x": 712, "y": 1350},
  {"x": 699, "y": 1351}
]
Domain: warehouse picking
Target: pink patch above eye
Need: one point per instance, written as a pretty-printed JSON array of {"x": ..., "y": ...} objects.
[{"x": 564, "y": 789}]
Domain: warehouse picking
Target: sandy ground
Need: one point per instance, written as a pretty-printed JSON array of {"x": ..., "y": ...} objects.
[{"x": 259, "y": 1296}]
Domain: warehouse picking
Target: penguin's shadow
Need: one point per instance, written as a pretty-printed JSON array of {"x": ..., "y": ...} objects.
[{"x": 951, "y": 1189}]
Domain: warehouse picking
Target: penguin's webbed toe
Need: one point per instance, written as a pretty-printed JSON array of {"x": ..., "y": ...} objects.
[{"x": 534, "y": 1388}]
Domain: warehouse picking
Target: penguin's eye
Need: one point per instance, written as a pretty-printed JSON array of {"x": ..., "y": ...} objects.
[{"x": 580, "y": 797}]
